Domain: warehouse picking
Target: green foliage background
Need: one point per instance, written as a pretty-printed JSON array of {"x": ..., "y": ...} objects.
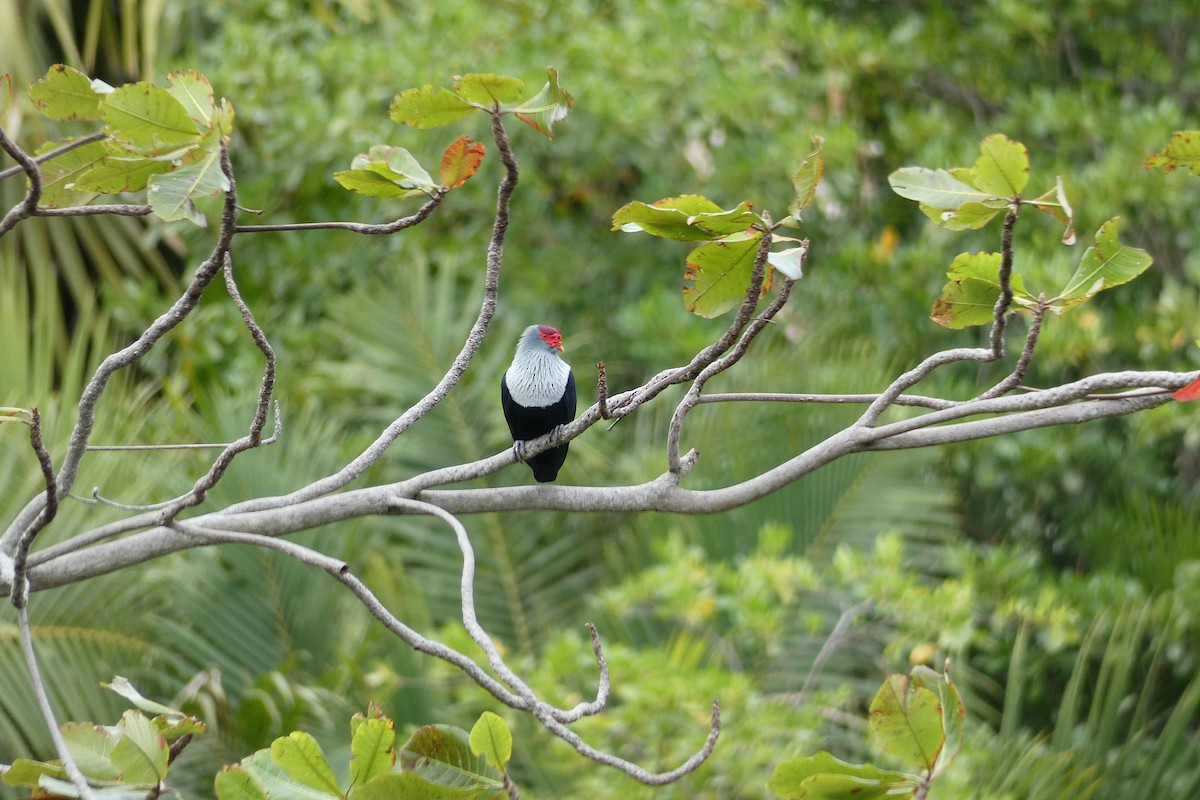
[{"x": 1059, "y": 569}]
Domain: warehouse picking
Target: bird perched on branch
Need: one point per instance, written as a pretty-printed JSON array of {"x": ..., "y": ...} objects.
[{"x": 538, "y": 394}]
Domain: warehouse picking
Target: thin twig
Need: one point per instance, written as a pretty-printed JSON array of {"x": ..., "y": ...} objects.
[
  {"x": 602, "y": 390},
  {"x": 1013, "y": 379},
  {"x": 56, "y": 152},
  {"x": 915, "y": 400},
  {"x": 115, "y": 209},
  {"x": 27, "y": 206},
  {"x": 356, "y": 227},
  {"x": 253, "y": 438},
  {"x": 85, "y": 419},
  {"x": 675, "y": 463},
  {"x": 20, "y": 585},
  {"x": 1004, "y": 301},
  {"x": 474, "y": 340},
  {"x": 39, "y": 690}
]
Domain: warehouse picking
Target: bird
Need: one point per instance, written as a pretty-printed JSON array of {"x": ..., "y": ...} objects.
[{"x": 537, "y": 394}]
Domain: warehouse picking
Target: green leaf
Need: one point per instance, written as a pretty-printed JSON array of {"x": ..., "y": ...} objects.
[
  {"x": 717, "y": 276},
  {"x": 195, "y": 94},
  {"x": 173, "y": 195},
  {"x": 24, "y": 772},
  {"x": 1182, "y": 151},
  {"x": 277, "y": 784},
  {"x": 823, "y": 777},
  {"x": 115, "y": 173},
  {"x": 547, "y": 107},
  {"x": 148, "y": 120},
  {"x": 141, "y": 753},
  {"x": 236, "y": 783},
  {"x": 6, "y": 93},
  {"x": 372, "y": 184},
  {"x": 1003, "y": 166},
  {"x": 1106, "y": 264},
  {"x": 66, "y": 93},
  {"x": 59, "y": 174},
  {"x": 92, "y": 747},
  {"x": 442, "y": 754},
  {"x": 490, "y": 737},
  {"x": 969, "y": 216},
  {"x": 807, "y": 177},
  {"x": 427, "y": 107},
  {"x": 170, "y": 723},
  {"x": 687, "y": 218},
  {"x": 953, "y": 713},
  {"x": 386, "y": 172},
  {"x": 372, "y": 748},
  {"x": 936, "y": 188},
  {"x": 971, "y": 293},
  {"x": 395, "y": 164},
  {"x": 123, "y": 687},
  {"x": 906, "y": 718},
  {"x": 299, "y": 755},
  {"x": 410, "y": 786},
  {"x": 487, "y": 89}
]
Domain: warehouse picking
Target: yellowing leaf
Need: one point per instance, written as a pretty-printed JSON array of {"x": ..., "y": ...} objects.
[
  {"x": 194, "y": 93},
  {"x": 173, "y": 195},
  {"x": 807, "y": 177},
  {"x": 1003, "y": 166},
  {"x": 906, "y": 718},
  {"x": 1106, "y": 264},
  {"x": 141, "y": 753},
  {"x": 148, "y": 120},
  {"x": 299, "y": 755},
  {"x": 935, "y": 187},
  {"x": 1182, "y": 151},
  {"x": 717, "y": 276},
  {"x": 969, "y": 297},
  {"x": 237, "y": 783},
  {"x": 491, "y": 738},
  {"x": 487, "y": 89},
  {"x": 967, "y": 217},
  {"x": 823, "y": 777},
  {"x": 6, "y": 93},
  {"x": 547, "y": 107},
  {"x": 372, "y": 748},
  {"x": 687, "y": 218},
  {"x": 65, "y": 93},
  {"x": 60, "y": 173},
  {"x": 460, "y": 161},
  {"x": 427, "y": 107}
]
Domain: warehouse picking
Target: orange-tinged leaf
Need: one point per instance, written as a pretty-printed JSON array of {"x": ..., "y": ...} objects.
[
  {"x": 461, "y": 160},
  {"x": 1189, "y": 392}
]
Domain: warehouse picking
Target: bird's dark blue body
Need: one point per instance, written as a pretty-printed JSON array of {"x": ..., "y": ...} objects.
[{"x": 537, "y": 394}]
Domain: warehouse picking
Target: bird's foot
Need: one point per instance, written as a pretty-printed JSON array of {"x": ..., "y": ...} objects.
[{"x": 519, "y": 450}]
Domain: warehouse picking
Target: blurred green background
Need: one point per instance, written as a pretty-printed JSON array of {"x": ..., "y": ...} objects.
[{"x": 1059, "y": 569}]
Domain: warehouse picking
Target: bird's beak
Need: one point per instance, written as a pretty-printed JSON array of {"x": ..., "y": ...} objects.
[{"x": 561, "y": 348}]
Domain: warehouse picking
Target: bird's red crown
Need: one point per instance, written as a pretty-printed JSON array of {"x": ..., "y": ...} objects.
[{"x": 551, "y": 336}]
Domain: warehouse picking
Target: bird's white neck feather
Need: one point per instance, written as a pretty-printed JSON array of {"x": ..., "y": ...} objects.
[{"x": 537, "y": 377}]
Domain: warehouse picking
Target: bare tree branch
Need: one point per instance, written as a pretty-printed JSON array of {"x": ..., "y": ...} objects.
[
  {"x": 382, "y": 229},
  {"x": 26, "y": 208},
  {"x": 87, "y": 555},
  {"x": 98, "y": 136},
  {"x": 495, "y": 261}
]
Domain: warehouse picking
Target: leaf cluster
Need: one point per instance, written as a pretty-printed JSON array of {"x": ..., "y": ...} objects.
[{"x": 165, "y": 140}]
